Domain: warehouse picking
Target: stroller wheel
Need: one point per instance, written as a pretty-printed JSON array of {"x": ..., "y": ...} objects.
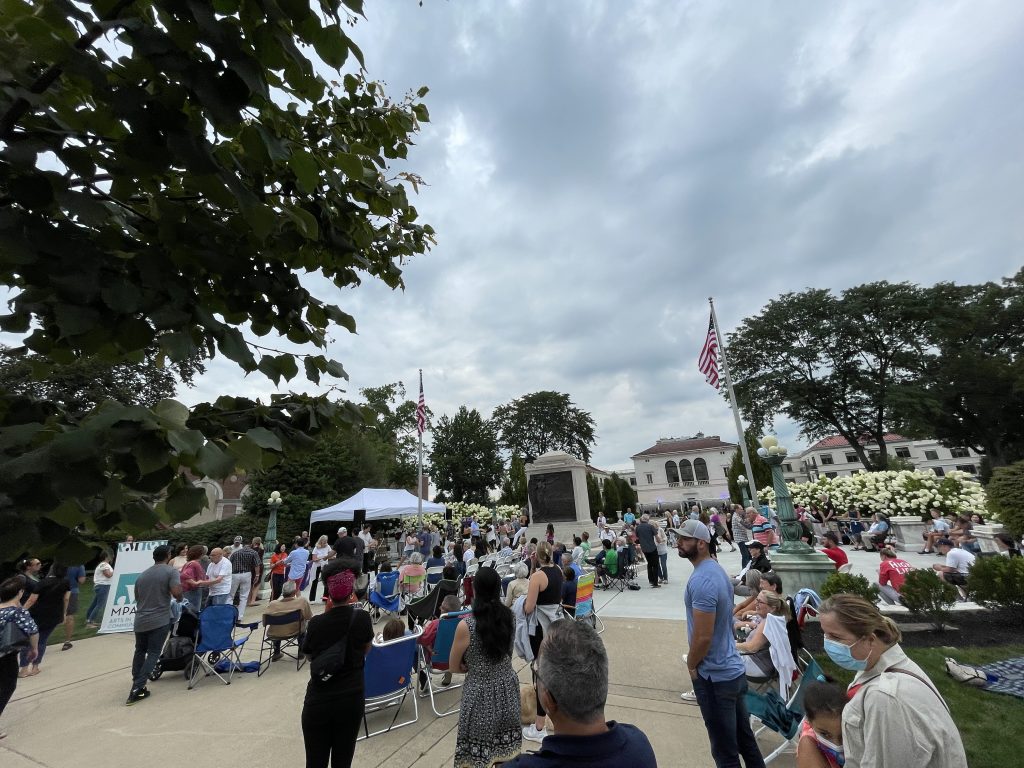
[
  {"x": 157, "y": 671},
  {"x": 213, "y": 658}
]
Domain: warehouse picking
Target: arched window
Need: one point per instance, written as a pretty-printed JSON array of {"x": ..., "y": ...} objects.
[
  {"x": 686, "y": 471},
  {"x": 700, "y": 468},
  {"x": 671, "y": 472}
]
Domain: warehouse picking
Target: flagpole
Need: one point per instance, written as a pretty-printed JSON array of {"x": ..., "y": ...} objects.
[
  {"x": 419, "y": 468},
  {"x": 732, "y": 404}
]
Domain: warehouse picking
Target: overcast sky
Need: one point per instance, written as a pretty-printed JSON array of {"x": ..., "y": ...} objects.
[{"x": 597, "y": 170}]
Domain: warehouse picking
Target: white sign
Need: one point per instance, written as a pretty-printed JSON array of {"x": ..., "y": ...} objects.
[{"x": 132, "y": 559}]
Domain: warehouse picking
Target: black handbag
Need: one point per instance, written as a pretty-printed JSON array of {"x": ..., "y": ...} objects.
[
  {"x": 12, "y": 638},
  {"x": 331, "y": 660}
]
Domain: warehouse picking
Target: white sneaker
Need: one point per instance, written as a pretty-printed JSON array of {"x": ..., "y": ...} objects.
[
  {"x": 530, "y": 733},
  {"x": 684, "y": 659},
  {"x": 690, "y": 697}
]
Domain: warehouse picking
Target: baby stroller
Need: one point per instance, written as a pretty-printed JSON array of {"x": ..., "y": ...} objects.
[{"x": 179, "y": 646}]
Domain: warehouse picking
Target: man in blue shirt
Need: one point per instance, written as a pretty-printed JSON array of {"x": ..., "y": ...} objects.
[
  {"x": 715, "y": 666},
  {"x": 570, "y": 653}
]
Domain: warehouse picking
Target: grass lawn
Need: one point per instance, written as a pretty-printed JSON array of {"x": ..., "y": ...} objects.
[{"x": 990, "y": 723}]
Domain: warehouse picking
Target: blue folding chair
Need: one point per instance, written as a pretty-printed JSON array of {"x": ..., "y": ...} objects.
[
  {"x": 217, "y": 642},
  {"x": 389, "y": 675},
  {"x": 287, "y": 645},
  {"x": 437, "y": 664},
  {"x": 384, "y": 596},
  {"x": 780, "y": 716}
]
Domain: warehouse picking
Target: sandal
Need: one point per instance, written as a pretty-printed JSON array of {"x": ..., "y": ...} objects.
[{"x": 66, "y": 647}]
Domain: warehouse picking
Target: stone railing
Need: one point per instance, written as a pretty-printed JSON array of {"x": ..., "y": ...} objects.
[{"x": 909, "y": 533}]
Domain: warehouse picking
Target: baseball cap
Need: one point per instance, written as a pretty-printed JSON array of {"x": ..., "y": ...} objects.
[
  {"x": 754, "y": 543},
  {"x": 693, "y": 529}
]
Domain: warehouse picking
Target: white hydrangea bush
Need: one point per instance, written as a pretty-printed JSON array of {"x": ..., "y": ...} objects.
[
  {"x": 459, "y": 510},
  {"x": 901, "y": 493}
]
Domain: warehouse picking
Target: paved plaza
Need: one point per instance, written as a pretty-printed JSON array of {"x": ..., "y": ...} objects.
[{"x": 73, "y": 713}]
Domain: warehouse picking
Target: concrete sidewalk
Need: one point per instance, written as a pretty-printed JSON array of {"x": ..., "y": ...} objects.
[{"x": 73, "y": 713}]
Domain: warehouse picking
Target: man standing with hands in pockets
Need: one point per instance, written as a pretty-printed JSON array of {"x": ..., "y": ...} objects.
[{"x": 714, "y": 664}]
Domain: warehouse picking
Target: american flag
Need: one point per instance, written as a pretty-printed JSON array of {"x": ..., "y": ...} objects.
[
  {"x": 708, "y": 360},
  {"x": 421, "y": 411}
]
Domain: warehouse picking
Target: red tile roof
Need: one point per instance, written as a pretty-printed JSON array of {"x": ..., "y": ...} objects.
[
  {"x": 691, "y": 444},
  {"x": 838, "y": 441}
]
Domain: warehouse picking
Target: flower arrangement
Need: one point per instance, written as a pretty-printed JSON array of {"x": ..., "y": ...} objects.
[{"x": 901, "y": 493}]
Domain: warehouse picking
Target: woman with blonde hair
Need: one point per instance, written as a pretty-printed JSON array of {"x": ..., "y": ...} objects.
[
  {"x": 319, "y": 557},
  {"x": 895, "y": 716},
  {"x": 543, "y": 598},
  {"x": 756, "y": 650}
]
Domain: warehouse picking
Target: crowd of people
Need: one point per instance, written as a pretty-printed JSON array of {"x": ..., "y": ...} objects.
[{"x": 728, "y": 643}]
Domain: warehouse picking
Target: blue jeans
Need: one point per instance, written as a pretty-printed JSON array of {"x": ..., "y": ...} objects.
[
  {"x": 664, "y": 565},
  {"x": 148, "y": 646},
  {"x": 44, "y": 635},
  {"x": 219, "y": 599},
  {"x": 728, "y": 723},
  {"x": 744, "y": 553},
  {"x": 99, "y": 602}
]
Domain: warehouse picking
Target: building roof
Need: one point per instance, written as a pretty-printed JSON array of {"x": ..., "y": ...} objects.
[
  {"x": 673, "y": 445},
  {"x": 838, "y": 441}
]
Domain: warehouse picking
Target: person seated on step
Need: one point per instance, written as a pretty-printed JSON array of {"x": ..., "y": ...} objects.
[
  {"x": 875, "y": 536},
  {"x": 957, "y": 565},
  {"x": 939, "y": 529},
  {"x": 758, "y": 562},
  {"x": 892, "y": 572}
]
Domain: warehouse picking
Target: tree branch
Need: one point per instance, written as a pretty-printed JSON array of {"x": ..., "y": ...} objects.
[{"x": 21, "y": 105}]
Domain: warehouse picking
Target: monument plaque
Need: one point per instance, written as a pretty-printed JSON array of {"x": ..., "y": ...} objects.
[{"x": 552, "y": 498}]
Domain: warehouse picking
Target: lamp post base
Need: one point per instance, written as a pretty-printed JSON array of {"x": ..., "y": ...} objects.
[{"x": 799, "y": 571}]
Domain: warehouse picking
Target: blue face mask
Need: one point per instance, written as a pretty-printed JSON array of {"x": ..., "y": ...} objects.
[{"x": 840, "y": 654}]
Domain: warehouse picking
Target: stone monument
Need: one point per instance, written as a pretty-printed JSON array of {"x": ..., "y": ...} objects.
[{"x": 556, "y": 486}]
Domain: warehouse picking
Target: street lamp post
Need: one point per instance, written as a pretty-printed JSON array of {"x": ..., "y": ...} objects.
[
  {"x": 774, "y": 455},
  {"x": 744, "y": 490},
  {"x": 270, "y": 541}
]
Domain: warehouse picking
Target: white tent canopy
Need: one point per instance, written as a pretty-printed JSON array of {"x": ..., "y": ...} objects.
[{"x": 379, "y": 503}]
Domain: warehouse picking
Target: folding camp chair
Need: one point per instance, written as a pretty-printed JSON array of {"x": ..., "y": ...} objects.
[
  {"x": 437, "y": 663},
  {"x": 287, "y": 645},
  {"x": 780, "y": 716},
  {"x": 412, "y": 587},
  {"x": 217, "y": 624},
  {"x": 389, "y": 675},
  {"x": 585, "y": 611},
  {"x": 425, "y": 608},
  {"x": 467, "y": 589},
  {"x": 434, "y": 574},
  {"x": 384, "y": 596},
  {"x": 807, "y": 602}
]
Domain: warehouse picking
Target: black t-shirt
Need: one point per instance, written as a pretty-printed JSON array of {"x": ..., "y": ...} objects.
[
  {"x": 323, "y": 632},
  {"x": 48, "y": 610},
  {"x": 350, "y": 546}
]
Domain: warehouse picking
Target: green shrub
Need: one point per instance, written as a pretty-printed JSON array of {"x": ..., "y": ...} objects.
[
  {"x": 927, "y": 596},
  {"x": 998, "y": 582},
  {"x": 1006, "y": 497},
  {"x": 849, "y": 584}
]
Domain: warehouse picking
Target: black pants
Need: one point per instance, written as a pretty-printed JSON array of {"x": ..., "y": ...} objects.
[
  {"x": 329, "y": 731},
  {"x": 744, "y": 553},
  {"x": 148, "y": 645},
  {"x": 535, "y": 641},
  {"x": 316, "y": 582},
  {"x": 653, "y": 572},
  {"x": 8, "y": 678}
]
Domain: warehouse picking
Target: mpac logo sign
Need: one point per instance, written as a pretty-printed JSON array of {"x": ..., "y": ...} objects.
[{"x": 124, "y": 597}]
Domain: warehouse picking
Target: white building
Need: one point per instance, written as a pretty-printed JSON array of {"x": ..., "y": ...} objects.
[
  {"x": 689, "y": 469},
  {"x": 833, "y": 457}
]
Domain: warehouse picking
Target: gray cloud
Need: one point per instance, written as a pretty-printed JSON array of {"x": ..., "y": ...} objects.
[{"x": 597, "y": 170}]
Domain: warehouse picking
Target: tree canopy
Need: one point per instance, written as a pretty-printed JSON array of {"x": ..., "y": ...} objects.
[
  {"x": 513, "y": 487},
  {"x": 945, "y": 361},
  {"x": 161, "y": 193},
  {"x": 544, "y": 421},
  {"x": 392, "y": 417},
  {"x": 465, "y": 459}
]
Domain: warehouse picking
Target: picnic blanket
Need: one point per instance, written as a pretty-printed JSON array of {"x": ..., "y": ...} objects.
[{"x": 1005, "y": 676}]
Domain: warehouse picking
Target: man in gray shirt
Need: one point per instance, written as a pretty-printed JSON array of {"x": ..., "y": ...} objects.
[
  {"x": 645, "y": 534},
  {"x": 153, "y": 592}
]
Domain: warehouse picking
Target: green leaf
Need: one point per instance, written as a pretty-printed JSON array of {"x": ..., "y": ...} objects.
[
  {"x": 305, "y": 168},
  {"x": 264, "y": 438},
  {"x": 305, "y": 221},
  {"x": 331, "y": 45},
  {"x": 232, "y": 345},
  {"x": 173, "y": 414},
  {"x": 351, "y": 164},
  {"x": 334, "y": 369},
  {"x": 187, "y": 441},
  {"x": 213, "y": 462},
  {"x": 248, "y": 454},
  {"x": 184, "y": 502},
  {"x": 342, "y": 318}
]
